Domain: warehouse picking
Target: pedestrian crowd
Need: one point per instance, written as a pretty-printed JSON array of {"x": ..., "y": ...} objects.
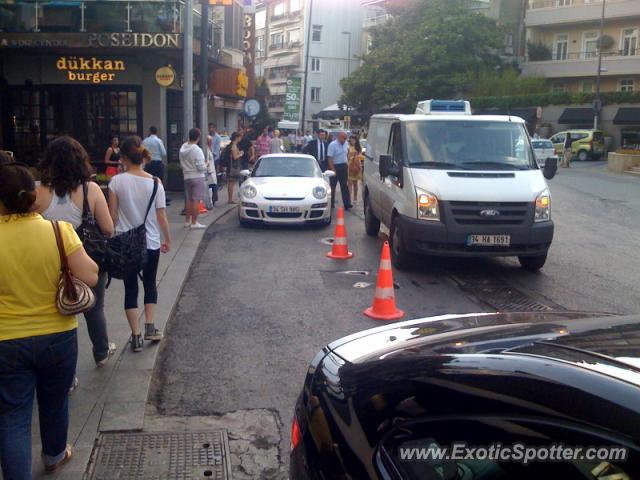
[{"x": 61, "y": 241}]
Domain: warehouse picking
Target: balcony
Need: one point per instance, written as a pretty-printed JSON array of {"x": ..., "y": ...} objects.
[
  {"x": 290, "y": 47},
  {"x": 376, "y": 20},
  {"x": 548, "y": 13},
  {"x": 585, "y": 64},
  {"x": 285, "y": 18}
]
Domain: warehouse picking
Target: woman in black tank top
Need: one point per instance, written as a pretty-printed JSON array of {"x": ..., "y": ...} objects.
[{"x": 112, "y": 158}]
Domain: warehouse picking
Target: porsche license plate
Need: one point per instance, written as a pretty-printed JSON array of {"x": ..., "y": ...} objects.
[
  {"x": 489, "y": 240},
  {"x": 283, "y": 209}
]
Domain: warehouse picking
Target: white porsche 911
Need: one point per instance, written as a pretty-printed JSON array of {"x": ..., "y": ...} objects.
[{"x": 286, "y": 188}]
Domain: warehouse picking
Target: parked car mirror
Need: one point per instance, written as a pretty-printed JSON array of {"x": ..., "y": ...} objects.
[
  {"x": 245, "y": 173},
  {"x": 329, "y": 173},
  {"x": 550, "y": 167},
  {"x": 385, "y": 165}
]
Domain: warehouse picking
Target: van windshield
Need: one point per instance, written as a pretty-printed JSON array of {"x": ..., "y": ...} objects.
[{"x": 468, "y": 145}]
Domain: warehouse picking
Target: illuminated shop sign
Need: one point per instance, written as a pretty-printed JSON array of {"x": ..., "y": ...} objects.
[{"x": 91, "y": 69}]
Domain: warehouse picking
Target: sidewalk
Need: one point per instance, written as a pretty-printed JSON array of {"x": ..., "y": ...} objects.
[{"x": 113, "y": 398}]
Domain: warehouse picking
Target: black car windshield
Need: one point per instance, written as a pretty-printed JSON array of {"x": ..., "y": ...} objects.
[
  {"x": 286, "y": 167},
  {"x": 469, "y": 145}
]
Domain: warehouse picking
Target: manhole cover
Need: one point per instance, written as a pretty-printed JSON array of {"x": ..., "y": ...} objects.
[{"x": 162, "y": 455}]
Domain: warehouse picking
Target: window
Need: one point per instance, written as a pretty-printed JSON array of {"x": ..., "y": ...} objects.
[
  {"x": 395, "y": 146},
  {"x": 315, "y": 94},
  {"x": 561, "y": 46},
  {"x": 295, "y": 5},
  {"x": 589, "y": 44},
  {"x": 154, "y": 17},
  {"x": 316, "y": 34},
  {"x": 626, "y": 85},
  {"x": 629, "y": 41},
  {"x": 277, "y": 40},
  {"x": 563, "y": 3},
  {"x": 105, "y": 17},
  {"x": 260, "y": 46},
  {"x": 261, "y": 19},
  {"x": 315, "y": 64},
  {"x": 17, "y": 17},
  {"x": 278, "y": 9},
  {"x": 587, "y": 86},
  {"x": 233, "y": 26},
  {"x": 559, "y": 87},
  {"x": 293, "y": 37},
  {"x": 59, "y": 18}
]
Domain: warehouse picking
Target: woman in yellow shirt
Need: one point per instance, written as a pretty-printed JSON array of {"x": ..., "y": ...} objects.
[{"x": 38, "y": 345}]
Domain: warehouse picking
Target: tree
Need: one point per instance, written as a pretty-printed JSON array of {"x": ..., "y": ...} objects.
[
  {"x": 429, "y": 49},
  {"x": 506, "y": 82}
]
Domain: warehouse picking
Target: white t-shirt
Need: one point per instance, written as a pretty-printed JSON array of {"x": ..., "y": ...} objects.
[{"x": 134, "y": 193}]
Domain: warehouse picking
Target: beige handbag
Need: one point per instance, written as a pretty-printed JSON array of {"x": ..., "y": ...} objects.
[{"x": 73, "y": 295}]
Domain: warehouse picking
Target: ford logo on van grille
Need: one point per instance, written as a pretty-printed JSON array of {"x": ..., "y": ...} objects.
[{"x": 490, "y": 213}]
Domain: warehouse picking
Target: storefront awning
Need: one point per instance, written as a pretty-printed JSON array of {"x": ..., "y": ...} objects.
[
  {"x": 282, "y": 61},
  {"x": 527, "y": 114},
  {"x": 627, "y": 116},
  {"x": 576, "y": 116}
]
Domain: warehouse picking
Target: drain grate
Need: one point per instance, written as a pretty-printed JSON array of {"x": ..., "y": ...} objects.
[
  {"x": 162, "y": 455},
  {"x": 500, "y": 295}
]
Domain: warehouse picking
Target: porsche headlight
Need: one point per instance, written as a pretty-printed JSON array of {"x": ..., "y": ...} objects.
[
  {"x": 249, "y": 191},
  {"x": 319, "y": 192},
  {"x": 543, "y": 207},
  {"x": 428, "y": 208}
]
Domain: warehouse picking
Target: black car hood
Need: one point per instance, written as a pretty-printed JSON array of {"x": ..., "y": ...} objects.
[{"x": 598, "y": 334}]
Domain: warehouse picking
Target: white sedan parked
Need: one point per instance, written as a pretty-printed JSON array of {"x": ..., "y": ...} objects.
[
  {"x": 286, "y": 188},
  {"x": 543, "y": 149}
]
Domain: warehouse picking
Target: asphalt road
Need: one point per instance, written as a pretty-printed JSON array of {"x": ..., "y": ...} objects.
[{"x": 259, "y": 303}]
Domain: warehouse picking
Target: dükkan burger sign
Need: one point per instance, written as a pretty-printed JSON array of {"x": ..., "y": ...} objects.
[{"x": 90, "y": 69}]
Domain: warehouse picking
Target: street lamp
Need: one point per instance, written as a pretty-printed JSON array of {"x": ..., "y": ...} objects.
[{"x": 597, "y": 103}]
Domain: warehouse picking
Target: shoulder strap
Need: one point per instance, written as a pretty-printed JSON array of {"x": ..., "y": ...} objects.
[
  {"x": 64, "y": 266},
  {"x": 85, "y": 201},
  {"x": 153, "y": 196}
]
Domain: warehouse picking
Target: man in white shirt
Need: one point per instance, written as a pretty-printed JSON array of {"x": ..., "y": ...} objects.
[
  {"x": 337, "y": 155},
  {"x": 194, "y": 169},
  {"x": 154, "y": 144}
]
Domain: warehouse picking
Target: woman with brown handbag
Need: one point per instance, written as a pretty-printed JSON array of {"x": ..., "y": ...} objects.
[{"x": 38, "y": 345}]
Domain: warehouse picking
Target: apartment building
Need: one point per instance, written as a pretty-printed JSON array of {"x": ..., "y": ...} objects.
[
  {"x": 333, "y": 28},
  {"x": 565, "y": 35}
]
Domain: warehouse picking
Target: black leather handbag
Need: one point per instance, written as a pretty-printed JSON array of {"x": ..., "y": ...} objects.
[
  {"x": 94, "y": 242},
  {"x": 127, "y": 252}
]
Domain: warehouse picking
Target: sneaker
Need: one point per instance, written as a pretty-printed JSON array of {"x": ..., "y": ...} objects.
[
  {"x": 136, "y": 343},
  {"x": 197, "y": 226},
  {"x": 68, "y": 455},
  {"x": 74, "y": 385},
  {"x": 153, "y": 334},
  {"x": 187, "y": 224},
  {"x": 110, "y": 352}
]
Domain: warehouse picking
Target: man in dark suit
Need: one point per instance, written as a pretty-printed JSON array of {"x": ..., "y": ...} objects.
[{"x": 318, "y": 149}]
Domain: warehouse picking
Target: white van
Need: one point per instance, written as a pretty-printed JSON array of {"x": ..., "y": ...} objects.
[{"x": 457, "y": 185}]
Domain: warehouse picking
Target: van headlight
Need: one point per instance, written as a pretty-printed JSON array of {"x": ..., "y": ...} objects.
[
  {"x": 249, "y": 191},
  {"x": 543, "y": 207},
  {"x": 428, "y": 208},
  {"x": 319, "y": 192}
]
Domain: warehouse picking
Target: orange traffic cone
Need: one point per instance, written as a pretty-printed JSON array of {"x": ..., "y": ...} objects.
[
  {"x": 384, "y": 302},
  {"x": 340, "y": 249},
  {"x": 201, "y": 208}
]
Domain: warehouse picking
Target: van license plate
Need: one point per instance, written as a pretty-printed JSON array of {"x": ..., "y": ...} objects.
[{"x": 489, "y": 240}]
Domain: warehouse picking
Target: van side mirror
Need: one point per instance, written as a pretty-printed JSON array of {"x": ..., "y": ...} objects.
[
  {"x": 550, "y": 167},
  {"x": 385, "y": 165}
]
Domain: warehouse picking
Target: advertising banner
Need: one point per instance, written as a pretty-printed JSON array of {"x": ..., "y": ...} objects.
[{"x": 292, "y": 99}]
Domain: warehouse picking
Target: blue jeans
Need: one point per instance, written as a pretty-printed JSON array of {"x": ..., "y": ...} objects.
[{"x": 44, "y": 364}]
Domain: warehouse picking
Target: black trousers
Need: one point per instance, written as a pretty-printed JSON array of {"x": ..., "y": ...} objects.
[
  {"x": 155, "y": 168},
  {"x": 148, "y": 282},
  {"x": 342, "y": 174}
]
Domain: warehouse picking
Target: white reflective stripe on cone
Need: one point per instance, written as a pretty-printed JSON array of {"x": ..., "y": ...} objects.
[
  {"x": 340, "y": 221},
  {"x": 385, "y": 264},
  {"x": 339, "y": 241},
  {"x": 384, "y": 293}
]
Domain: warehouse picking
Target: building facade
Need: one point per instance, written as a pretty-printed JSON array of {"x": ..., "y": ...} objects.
[
  {"x": 328, "y": 32},
  {"x": 562, "y": 46},
  {"x": 95, "y": 70}
]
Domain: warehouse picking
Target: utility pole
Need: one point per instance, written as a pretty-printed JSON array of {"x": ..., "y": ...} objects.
[
  {"x": 597, "y": 103},
  {"x": 187, "y": 68},
  {"x": 306, "y": 65},
  {"x": 204, "y": 75}
]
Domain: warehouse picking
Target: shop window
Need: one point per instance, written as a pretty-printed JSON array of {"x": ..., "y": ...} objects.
[
  {"x": 105, "y": 17},
  {"x": 315, "y": 94},
  {"x": 626, "y": 85},
  {"x": 587, "y": 86},
  {"x": 17, "y": 18},
  {"x": 59, "y": 18},
  {"x": 558, "y": 87},
  {"x": 24, "y": 137},
  {"x": 316, "y": 34},
  {"x": 154, "y": 17}
]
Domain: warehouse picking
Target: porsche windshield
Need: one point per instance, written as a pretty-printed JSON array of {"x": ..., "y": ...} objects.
[
  {"x": 468, "y": 145},
  {"x": 287, "y": 167}
]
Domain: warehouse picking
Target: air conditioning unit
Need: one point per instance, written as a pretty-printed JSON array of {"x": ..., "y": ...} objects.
[{"x": 443, "y": 107}]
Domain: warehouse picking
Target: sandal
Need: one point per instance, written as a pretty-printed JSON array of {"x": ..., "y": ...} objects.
[{"x": 68, "y": 455}]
